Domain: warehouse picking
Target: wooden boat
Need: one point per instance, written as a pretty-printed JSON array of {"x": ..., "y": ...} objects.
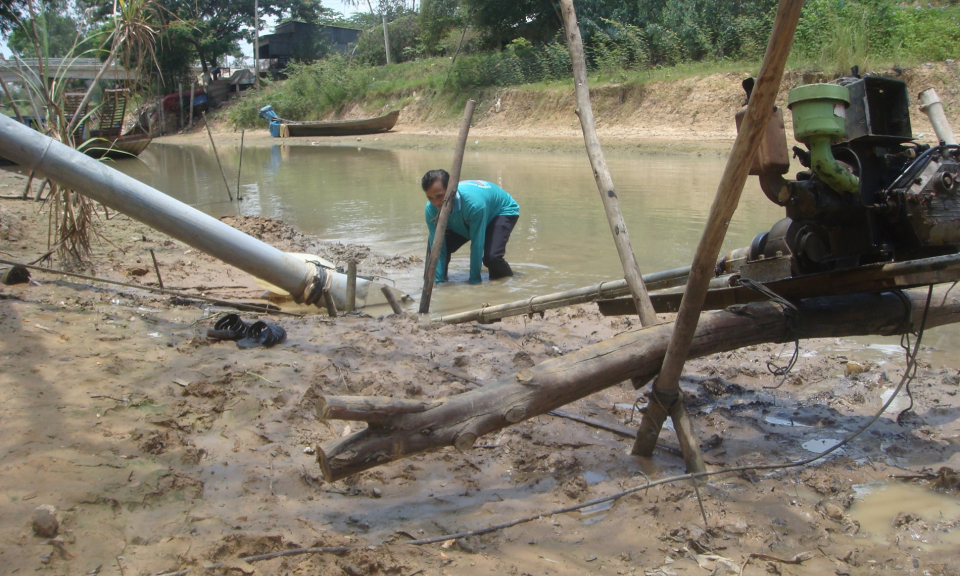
[
  {"x": 340, "y": 127},
  {"x": 126, "y": 146},
  {"x": 107, "y": 141}
]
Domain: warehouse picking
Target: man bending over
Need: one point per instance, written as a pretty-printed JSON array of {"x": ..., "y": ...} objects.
[{"x": 483, "y": 214}]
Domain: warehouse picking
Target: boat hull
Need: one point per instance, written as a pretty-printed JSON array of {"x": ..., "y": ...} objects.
[
  {"x": 121, "y": 148},
  {"x": 340, "y": 127}
]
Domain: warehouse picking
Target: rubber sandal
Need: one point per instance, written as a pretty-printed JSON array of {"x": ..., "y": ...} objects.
[
  {"x": 263, "y": 334},
  {"x": 230, "y": 327}
]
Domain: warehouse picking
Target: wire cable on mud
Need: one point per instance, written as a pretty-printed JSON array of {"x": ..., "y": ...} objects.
[{"x": 908, "y": 375}]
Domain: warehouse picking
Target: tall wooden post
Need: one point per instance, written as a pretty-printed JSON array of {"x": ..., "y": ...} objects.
[
  {"x": 665, "y": 399},
  {"x": 256, "y": 43},
  {"x": 611, "y": 205},
  {"x": 180, "y": 103},
  {"x": 386, "y": 39},
  {"x": 430, "y": 271},
  {"x": 192, "y": 90}
]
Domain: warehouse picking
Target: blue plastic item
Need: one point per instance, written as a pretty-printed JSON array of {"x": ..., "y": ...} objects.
[{"x": 268, "y": 114}]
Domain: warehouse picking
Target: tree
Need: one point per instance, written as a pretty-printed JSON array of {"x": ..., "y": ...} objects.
[
  {"x": 209, "y": 30},
  {"x": 57, "y": 34}
]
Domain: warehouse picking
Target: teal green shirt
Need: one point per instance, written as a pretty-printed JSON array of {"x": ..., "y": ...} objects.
[{"x": 476, "y": 205}]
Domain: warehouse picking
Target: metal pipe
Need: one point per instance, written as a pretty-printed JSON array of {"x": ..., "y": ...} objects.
[
  {"x": 96, "y": 180},
  {"x": 931, "y": 106}
]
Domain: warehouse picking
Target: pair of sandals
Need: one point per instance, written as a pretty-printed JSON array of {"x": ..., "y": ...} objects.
[{"x": 231, "y": 327}]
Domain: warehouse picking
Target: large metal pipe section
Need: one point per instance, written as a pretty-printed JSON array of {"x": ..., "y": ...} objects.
[
  {"x": 931, "y": 106},
  {"x": 96, "y": 180}
]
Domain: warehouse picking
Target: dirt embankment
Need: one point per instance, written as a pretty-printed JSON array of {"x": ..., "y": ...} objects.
[
  {"x": 691, "y": 115},
  {"x": 161, "y": 450}
]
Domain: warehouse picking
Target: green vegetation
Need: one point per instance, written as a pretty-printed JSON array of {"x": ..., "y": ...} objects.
[{"x": 626, "y": 43}]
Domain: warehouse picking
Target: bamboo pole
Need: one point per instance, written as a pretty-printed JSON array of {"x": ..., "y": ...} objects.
[
  {"x": 217, "y": 156},
  {"x": 611, "y": 205},
  {"x": 240, "y": 165},
  {"x": 666, "y": 389},
  {"x": 190, "y": 119},
  {"x": 537, "y": 304},
  {"x": 180, "y": 102},
  {"x": 386, "y": 39},
  {"x": 430, "y": 270}
]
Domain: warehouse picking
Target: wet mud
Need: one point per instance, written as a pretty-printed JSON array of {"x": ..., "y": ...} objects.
[{"x": 162, "y": 450}]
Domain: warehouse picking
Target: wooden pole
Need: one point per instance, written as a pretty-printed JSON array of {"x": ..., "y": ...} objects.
[
  {"x": 430, "y": 271},
  {"x": 391, "y": 300},
  {"x": 611, "y": 205},
  {"x": 240, "y": 166},
  {"x": 351, "y": 285},
  {"x": 216, "y": 155},
  {"x": 386, "y": 39},
  {"x": 180, "y": 101},
  {"x": 156, "y": 268},
  {"x": 256, "y": 43},
  {"x": 666, "y": 390},
  {"x": 330, "y": 304},
  {"x": 190, "y": 120},
  {"x": 460, "y": 420}
]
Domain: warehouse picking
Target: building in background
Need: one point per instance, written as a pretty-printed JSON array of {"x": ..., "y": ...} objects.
[{"x": 302, "y": 42}]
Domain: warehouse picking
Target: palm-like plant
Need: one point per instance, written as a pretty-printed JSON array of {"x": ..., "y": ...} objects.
[{"x": 128, "y": 38}]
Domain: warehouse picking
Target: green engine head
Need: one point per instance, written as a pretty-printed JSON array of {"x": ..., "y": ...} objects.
[
  {"x": 819, "y": 120},
  {"x": 819, "y": 110}
]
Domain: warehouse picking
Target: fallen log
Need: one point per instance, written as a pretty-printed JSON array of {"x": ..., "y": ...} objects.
[{"x": 459, "y": 420}]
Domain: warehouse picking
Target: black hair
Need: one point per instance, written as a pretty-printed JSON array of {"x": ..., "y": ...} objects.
[{"x": 432, "y": 176}]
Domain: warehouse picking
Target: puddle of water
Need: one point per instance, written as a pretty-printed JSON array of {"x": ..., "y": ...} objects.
[
  {"x": 898, "y": 405},
  {"x": 595, "y": 513},
  {"x": 593, "y": 477},
  {"x": 877, "y": 505},
  {"x": 820, "y": 444},
  {"x": 781, "y": 421}
]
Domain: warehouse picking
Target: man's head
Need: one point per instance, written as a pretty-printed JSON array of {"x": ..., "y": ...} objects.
[{"x": 434, "y": 184}]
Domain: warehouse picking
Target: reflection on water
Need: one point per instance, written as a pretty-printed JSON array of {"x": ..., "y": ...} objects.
[{"x": 373, "y": 197}]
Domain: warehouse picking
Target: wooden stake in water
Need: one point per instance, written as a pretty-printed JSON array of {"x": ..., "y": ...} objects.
[
  {"x": 240, "y": 166},
  {"x": 611, "y": 205},
  {"x": 666, "y": 391},
  {"x": 216, "y": 155},
  {"x": 430, "y": 271}
]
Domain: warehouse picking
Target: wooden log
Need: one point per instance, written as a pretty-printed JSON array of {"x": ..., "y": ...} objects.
[
  {"x": 460, "y": 420},
  {"x": 391, "y": 299},
  {"x": 216, "y": 155},
  {"x": 369, "y": 409},
  {"x": 430, "y": 269},
  {"x": 351, "y": 285},
  {"x": 601, "y": 174},
  {"x": 759, "y": 110}
]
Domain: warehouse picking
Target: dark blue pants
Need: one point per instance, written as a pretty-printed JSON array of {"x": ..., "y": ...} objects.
[{"x": 494, "y": 245}]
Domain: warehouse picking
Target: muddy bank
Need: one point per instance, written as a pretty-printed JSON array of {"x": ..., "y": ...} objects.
[
  {"x": 162, "y": 450},
  {"x": 687, "y": 116}
]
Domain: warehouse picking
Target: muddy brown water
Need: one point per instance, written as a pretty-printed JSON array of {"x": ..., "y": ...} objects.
[{"x": 562, "y": 241}]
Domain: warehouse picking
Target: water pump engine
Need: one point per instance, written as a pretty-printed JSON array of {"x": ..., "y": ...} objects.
[{"x": 868, "y": 192}]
